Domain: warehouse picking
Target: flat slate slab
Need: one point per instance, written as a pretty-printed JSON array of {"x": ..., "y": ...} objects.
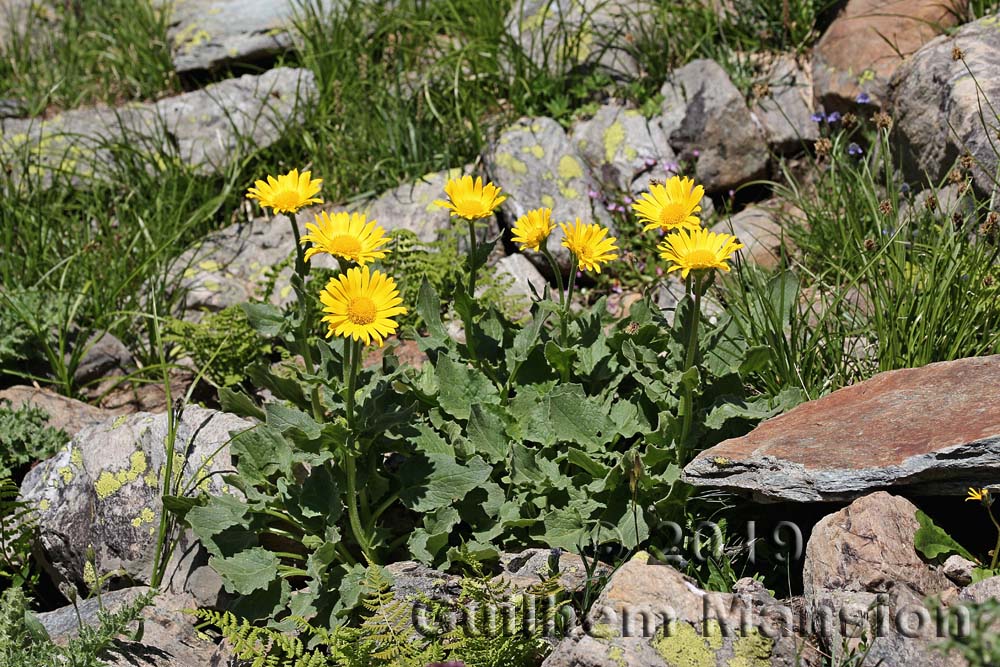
[{"x": 934, "y": 430}]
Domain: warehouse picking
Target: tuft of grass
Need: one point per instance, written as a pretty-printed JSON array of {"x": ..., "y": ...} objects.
[{"x": 65, "y": 54}]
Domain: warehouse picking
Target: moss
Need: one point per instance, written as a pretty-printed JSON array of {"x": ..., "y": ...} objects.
[
  {"x": 753, "y": 650},
  {"x": 681, "y": 644}
]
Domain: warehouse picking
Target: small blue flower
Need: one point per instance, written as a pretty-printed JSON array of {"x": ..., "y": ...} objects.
[
  {"x": 833, "y": 118},
  {"x": 818, "y": 117},
  {"x": 904, "y": 189},
  {"x": 855, "y": 150},
  {"x": 863, "y": 98}
]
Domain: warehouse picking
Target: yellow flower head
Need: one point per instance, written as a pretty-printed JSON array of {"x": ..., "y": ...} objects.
[
  {"x": 287, "y": 193},
  {"x": 471, "y": 200},
  {"x": 533, "y": 228},
  {"x": 698, "y": 250},
  {"x": 671, "y": 206},
  {"x": 360, "y": 304},
  {"x": 981, "y": 495},
  {"x": 347, "y": 235},
  {"x": 588, "y": 245}
]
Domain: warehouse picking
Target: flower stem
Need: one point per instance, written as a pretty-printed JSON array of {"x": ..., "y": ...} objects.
[
  {"x": 301, "y": 268},
  {"x": 996, "y": 549},
  {"x": 555, "y": 270},
  {"x": 564, "y": 321},
  {"x": 689, "y": 361},
  {"x": 305, "y": 315},
  {"x": 473, "y": 268},
  {"x": 353, "y": 350}
]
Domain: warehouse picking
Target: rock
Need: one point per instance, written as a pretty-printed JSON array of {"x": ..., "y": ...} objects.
[
  {"x": 867, "y": 545},
  {"x": 649, "y": 614},
  {"x": 103, "y": 356},
  {"x": 562, "y": 35},
  {"x": 982, "y": 591},
  {"x": 11, "y": 108},
  {"x": 207, "y": 129},
  {"x": 622, "y": 147},
  {"x": 762, "y": 236},
  {"x": 535, "y": 164},
  {"x": 865, "y": 44},
  {"x": 102, "y": 492},
  {"x": 520, "y": 281},
  {"x": 531, "y": 566},
  {"x": 786, "y": 110},
  {"x": 168, "y": 639},
  {"x": 936, "y": 105},
  {"x": 707, "y": 120},
  {"x": 412, "y": 580},
  {"x": 927, "y": 428},
  {"x": 958, "y": 569},
  {"x": 411, "y": 207},
  {"x": 407, "y": 351},
  {"x": 68, "y": 414},
  {"x": 943, "y": 202}
]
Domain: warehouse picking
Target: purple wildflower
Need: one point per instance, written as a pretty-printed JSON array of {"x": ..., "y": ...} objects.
[
  {"x": 659, "y": 271},
  {"x": 671, "y": 167},
  {"x": 732, "y": 193},
  {"x": 610, "y": 206},
  {"x": 854, "y": 150},
  {"x": 620, "y": 208},
  {"x": 696, "y": 153},
  {"x": 627, "y": 200},
  {"x": 650, "y": 162},
  {"x": 833, "y": 118},
  {"x": 863, "y": 98},
  {"x": 818, "y": 117},
  {"x": 593, "y": 194}
]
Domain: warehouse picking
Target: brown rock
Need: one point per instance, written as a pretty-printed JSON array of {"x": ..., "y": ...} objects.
[
  {"x": 407, "y": 351},
  {"x": 867, "y": 546},
  {"x": 865, "y": 44},
  {"x": 65, "y": 413},
  {"x": 936, "y": 428},
  {"x": 758, "y": 229}
]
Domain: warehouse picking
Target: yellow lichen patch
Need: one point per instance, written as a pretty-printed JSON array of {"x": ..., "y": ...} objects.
[
  {"x": 618, "y": 655},
  {"x": 569, "y": 168},
  {"x": 535, "y": 150},
  {"x": 106, "y": 485},
  {"x": 680, "y": 644},
  {"x": 66, "y": 473},
  {"x": 614, "y": 137},
  {"x": 548, "y": 201},
  {"x": 109, "y": 483},
  {"x": 209, "y": 265},
  {"x": 568, "y": 193},
  {"x": 44, "y": 504},
  {"x": 752, "y": 650},
  {"x": 508, "y": 161},
  {"x": 145, "y": 516},
  {"x": 76, "y": 458},
  {"x": 119, "y": 421},
  {"x": 151, "y": 479}
]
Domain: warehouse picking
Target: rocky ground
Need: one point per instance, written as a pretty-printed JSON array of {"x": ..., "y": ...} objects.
[{"x": 862, "y": 457}]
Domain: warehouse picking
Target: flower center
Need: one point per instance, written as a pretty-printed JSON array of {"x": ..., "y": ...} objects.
[
  {"x": 361, "y": 310},
  {"x": 672, "y": 215},
  {"x": 701, "y": 259},
  {"x": 345, "y": 245},
  {"x": 287, "y": 199},
  {"x": 471, "y": 207}
]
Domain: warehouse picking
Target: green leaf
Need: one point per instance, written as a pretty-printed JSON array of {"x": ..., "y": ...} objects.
[
  {"x": 560, "y": 358},
  {"x": 569, "y": 527},
  {"x": 430, "y": 441},
  {"x": 238, "y": 403},
  {"x": 932, "y": 541},
  {"x": 461, "y": 387},
  {"x": 266, "y": 319},
  {"x": 488, "y": 432},
  {"x": 261, "y": 452},
  {"x": 285, "y": 417},
  {"x": 437, "y": 480},
  {"x": 584, "y": 461},
  {"x": 565, "y": 414},
  {"x": 428, "y": 307},
  {"x": 247, "y": 571}
]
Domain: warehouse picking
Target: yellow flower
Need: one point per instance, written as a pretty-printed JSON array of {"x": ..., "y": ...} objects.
[
  {"x": 287, "y": 193},
  {"x": 360, "y": 305},
  {"x": 700, "y": 249},
  {"x": 588, "y": 244},
  {"x": 671, "y": 206},
  {"x": 347, "y": 235},
  {"x": 978, "y": 494},
  {"x": 471, "y": 200},
  {"x": 533, "y": 228}
]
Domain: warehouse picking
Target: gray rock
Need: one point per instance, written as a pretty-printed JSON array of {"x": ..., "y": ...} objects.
[
  {"x": 622, "y": 147},
  {"x": 958, "y": 569},
  {"x": 520, "y": 281},
  {"x": 11, "y": 108},
  {"x": 760, "y": 232},
  {"x": 411, "y": 207},
  {"x": 937, "y": 105},
  {"x": 707, "y": 120},
  {"x": 981, "y": 591},
  {"x": 562, "y": 35},
  {"x": 168, "y": 639},
  {"x": 68, "y": 414},
  {"x": 943, "y": 202},
  {"x": 412, "y": 580},
  {"x": 102, "y": 492},
  {"x": 531, "y": 566},
  {"x": 926, "y": 428},
  {"x": 535, "y": 164},
  {"x": 103, "y": 355},
  {"x": 865, "y": 547},
  {"x": 786, "y": 110},
  {"x": 207, "y": 129}
]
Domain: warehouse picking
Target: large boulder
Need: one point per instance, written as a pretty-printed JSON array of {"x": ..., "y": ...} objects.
[
  {"x": 707, "y": 121},
  {"x": 869, "y": 39},
  {"x": 561, "y": 35},
  {"x": 928, "y": 427},
  {"x": 759, "y": 229},
  {"x": 622, "y": 147},
  {"x": 66, "y": 414},
  {"x": 535, "y": 164},
  {"x": 207, "y": 129},
  {"x": 944, "y": 107},
  {"x": 785, "y": 107},
  {"x": 169, "y": 638},
  {"x": 102, "y": 493}
]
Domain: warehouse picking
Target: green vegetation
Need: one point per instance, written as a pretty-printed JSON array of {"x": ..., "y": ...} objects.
[{"x": 25, "y": 436}]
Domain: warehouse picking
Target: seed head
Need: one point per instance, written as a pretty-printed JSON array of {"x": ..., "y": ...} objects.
[
  {"x": 931, "y": 203},
  {"x": 632, "y": 328},
  {"x": 957, "y": 53},
  {"x": 967, "y": 161},
  {"x": 956, "y": 176},
  {"x": 870, "y": 245},
  {"x": 885, "y": 207},
  {"x": 823, "y": 146},
  {"x": 882, "y": 120}
]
